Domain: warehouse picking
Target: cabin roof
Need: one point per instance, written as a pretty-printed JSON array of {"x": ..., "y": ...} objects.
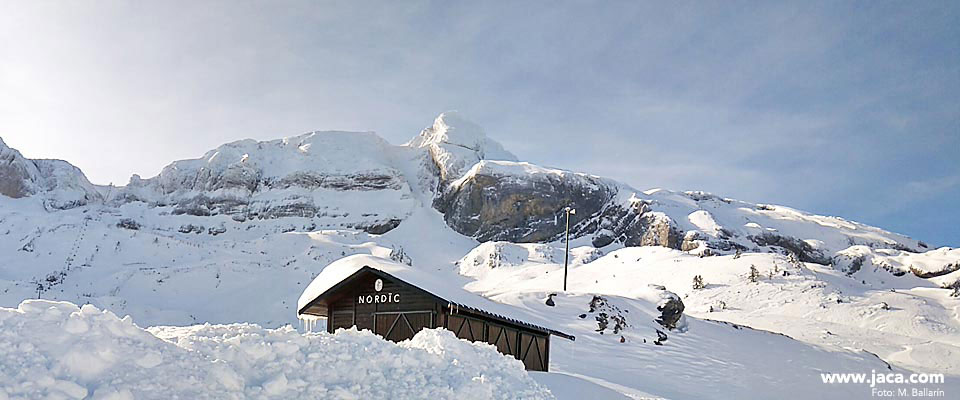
[{"x": 342, "y": 272}]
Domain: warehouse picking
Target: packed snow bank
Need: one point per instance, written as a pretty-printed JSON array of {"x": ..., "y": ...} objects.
[{"x": 60, "y": 351}]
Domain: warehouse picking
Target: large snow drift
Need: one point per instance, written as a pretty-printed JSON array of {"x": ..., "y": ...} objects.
[{"x": 57, "y": 350}]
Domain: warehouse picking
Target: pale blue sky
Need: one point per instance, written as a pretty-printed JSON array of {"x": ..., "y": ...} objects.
[{"x": 840, "y": 108}]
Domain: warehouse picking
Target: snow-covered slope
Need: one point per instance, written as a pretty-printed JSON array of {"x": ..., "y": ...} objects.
[{"x": 905, "y": 320}]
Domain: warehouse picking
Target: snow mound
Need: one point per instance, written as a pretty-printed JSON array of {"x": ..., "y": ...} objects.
[
  {"x": 490, "y": 256},
  {"x": 60, "y": 351}
]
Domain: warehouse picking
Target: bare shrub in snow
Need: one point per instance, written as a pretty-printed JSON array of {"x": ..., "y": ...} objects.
[
  {"x": 129, "y": 223},
  {"x": 398, "y": 255},
  {"x": 956, "y": 288}
]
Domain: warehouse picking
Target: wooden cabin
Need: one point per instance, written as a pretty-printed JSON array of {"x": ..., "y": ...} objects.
[{"x": 396, "y": 310}]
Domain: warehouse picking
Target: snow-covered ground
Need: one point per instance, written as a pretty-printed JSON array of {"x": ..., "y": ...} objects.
[{"x": 905, "y": 320}]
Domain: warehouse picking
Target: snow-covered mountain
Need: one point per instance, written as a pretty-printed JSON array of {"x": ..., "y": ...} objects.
[
  {"x": 358, "y": 180},
  {"x": 237, "y": 234}
]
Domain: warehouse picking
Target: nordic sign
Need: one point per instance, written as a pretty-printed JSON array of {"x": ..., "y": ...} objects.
[{"x": 378, "y": 298}]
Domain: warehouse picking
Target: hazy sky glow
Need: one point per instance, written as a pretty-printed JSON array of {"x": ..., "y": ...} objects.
[{"x": 840, "y": 108}]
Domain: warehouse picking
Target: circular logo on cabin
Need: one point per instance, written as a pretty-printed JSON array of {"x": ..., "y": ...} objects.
[{"x": 378, "y": 285}]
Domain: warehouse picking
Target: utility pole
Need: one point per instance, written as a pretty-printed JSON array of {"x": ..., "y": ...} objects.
[{"x": 566, "y": 255}]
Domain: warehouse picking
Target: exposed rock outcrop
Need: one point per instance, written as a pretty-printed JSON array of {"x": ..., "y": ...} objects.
[
  {"x": 16, "y": 173},
  {"x": 493, "y": 202},
  {"x": 671, "y": 311},
  {"x": 804, "y": 251},
  {"x": 520, "y": 202}
]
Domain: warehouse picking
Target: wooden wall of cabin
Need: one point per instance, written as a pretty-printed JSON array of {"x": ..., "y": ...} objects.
[
  {"x": 345, "y": 310},
  {"x": 532, "y": 348}
]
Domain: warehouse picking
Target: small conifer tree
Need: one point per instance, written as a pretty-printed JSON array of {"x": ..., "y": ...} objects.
[
  {"x": 754, "y": 274},
  {"x": 698, "y": 282}
]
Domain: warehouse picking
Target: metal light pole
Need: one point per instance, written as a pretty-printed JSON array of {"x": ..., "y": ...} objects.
[{"x": 566, "y": 255}]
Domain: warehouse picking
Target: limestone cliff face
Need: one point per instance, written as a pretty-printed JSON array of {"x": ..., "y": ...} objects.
[
  {"x": 16, "y": 173},
  {"x": 520, "y": 202},
  {"x": 57, "y": 183},
  {"x": 337, "y": 179},
  {"x": 490, "y": 205}
]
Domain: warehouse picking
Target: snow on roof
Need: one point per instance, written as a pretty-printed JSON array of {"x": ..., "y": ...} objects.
[{"x": 343, "y": 268}]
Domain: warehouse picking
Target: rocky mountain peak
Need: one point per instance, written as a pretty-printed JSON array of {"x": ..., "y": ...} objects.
[{"x": 455, "y": 144}]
